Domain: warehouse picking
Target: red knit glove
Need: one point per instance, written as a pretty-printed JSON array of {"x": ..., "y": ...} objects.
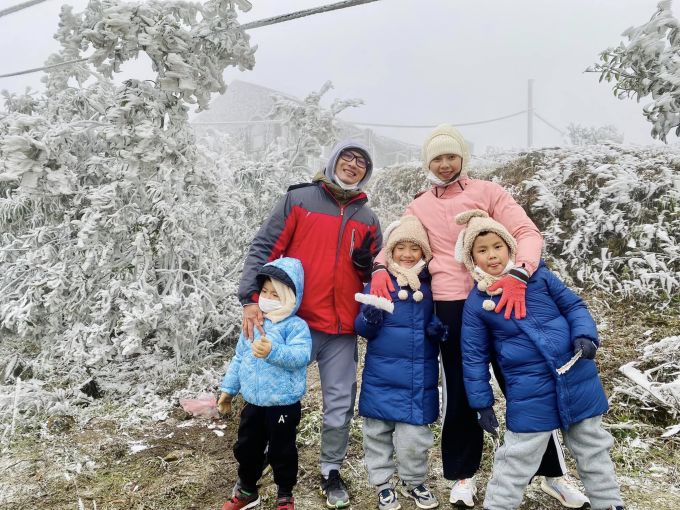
[
  {"x": 514, "y": 286},
  {"x": 381, "y": 283}
]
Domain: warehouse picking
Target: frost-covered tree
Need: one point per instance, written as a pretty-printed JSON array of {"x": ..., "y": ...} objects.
[
  {"x": 582, "y": 135},
  {"x": 310, "y": 126},
  {"x": 648, "y": 65},
  {"x": 111, "y": 248}
]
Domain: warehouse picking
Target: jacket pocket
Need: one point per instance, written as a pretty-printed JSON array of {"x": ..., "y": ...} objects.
[{"x": 351, "y": 245}]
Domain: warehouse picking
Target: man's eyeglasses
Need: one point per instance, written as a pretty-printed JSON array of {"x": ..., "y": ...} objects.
[{"x": 349, "y": 156}]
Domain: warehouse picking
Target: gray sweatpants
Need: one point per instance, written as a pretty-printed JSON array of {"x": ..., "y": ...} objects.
[
  {"x": 337, "y": 357},
  {"x": 411, "y": 443},
  {"x": 517, "y": 460}
]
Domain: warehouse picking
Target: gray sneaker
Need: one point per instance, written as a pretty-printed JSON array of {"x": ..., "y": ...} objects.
[
  {"x": 421, "y": 495},
  {"x": 335, "y": 490},
  {"x": 387, "y": 500}
]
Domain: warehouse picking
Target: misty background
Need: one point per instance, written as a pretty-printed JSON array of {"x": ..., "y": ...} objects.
[{"x": 416, "y": 62}]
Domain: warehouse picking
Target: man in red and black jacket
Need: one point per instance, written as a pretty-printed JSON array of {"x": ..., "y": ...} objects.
[{"x": 328, "y": 227}]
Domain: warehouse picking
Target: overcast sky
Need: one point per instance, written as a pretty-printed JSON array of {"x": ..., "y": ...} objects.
[{"x": 419, "y": 61}]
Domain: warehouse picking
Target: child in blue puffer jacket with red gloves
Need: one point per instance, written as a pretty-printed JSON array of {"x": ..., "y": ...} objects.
[
  {"x": 399, "y": 390},
  {"x": 271, "y": 374},
  {"x": 547, "y": 361}
]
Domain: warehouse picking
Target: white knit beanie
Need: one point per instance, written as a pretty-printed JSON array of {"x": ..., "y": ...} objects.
[
  {"x": 408, "y": 228},
  {"x": 445, "y": 139}
]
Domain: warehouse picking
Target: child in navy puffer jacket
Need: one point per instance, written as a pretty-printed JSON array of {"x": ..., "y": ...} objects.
[
  {"x": 547, "y": 361},
  {"x": 271, "y": 374},
  {"x": 399, "y": 390}
]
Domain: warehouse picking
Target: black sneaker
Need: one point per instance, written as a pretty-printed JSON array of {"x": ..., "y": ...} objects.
[{"x": 335, "y": 490}]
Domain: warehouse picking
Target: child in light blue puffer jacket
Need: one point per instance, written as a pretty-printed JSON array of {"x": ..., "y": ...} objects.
[{"x": 271, "y": 374}]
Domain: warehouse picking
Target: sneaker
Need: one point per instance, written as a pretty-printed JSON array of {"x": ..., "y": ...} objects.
[
  {"x": 335, "y": 490},
  {"x": 285, "y": 503},
  {"x": 463, "y": 493},
  {"x": 564, "y": 490},
  {"x": 241, "y": 500},
  {"x": 387, "y": 500},
  {"x": 421, "y": 495}
]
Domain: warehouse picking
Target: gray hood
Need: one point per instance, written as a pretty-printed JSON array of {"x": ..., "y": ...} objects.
[{"x": 329, "y": 170}]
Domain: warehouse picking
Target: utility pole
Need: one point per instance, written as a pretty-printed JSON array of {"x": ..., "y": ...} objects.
[{"x": 530, "y": 114}]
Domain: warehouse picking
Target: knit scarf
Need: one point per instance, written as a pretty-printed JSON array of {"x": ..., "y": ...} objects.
[
  {"x": 341, "y": 195},
  {"x": 407, "y": 277},
  {"x": 485, "y": 280}
]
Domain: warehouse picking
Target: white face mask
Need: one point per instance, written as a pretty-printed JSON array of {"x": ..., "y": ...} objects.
[
  {"x": 269, "y": 305},
  {"x": 344, "y": 186}
]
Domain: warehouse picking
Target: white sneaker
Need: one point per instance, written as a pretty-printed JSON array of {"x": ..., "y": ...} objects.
[
  {"x": 564, "y": 490},
  {"x": 463, "y": 493}
]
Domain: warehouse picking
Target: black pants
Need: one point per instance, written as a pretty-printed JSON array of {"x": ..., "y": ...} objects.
[
  {"x": 462, "y": 437},
  {"x": 274, "y": 426}
]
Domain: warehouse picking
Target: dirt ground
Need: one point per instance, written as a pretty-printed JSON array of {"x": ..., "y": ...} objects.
[{"x": 185, "y": 463}]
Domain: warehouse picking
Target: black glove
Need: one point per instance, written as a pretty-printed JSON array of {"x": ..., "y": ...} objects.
[
  {"x": 373, "y": 315},
  {"x": 487, "y": 420},
  {"x": 362, "y": 256},
  {"x": 436, "y": 330},
  {"x": 586, "y": 345}
]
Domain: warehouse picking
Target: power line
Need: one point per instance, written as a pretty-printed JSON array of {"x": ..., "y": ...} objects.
[
  {"x": 247, "y": 26},
  {"x": 36, "y": 69},
  {"x": 307, "y": 12},
  {"x": 423, "y": 126},
  {"x": 549, "y": 124},
  {"x": 369, "y": 124},
  {"x": 20, "y": 7}
]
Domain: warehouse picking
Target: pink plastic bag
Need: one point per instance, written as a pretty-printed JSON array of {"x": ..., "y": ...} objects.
[{"x": 201, "y": 407}]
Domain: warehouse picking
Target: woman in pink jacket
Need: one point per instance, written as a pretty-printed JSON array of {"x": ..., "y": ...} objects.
[{"x": 446, "y": 157}]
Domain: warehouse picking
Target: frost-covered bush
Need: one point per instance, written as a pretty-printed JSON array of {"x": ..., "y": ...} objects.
[
  {"x": 112, "y": 261},
  {"x": 655, "y": 376},
  {"x": 392, "y": 189},
  {"x": 582, "y": 135},
  {"x": 122, "y": 238},
  {"x": 610, "y": 215}
]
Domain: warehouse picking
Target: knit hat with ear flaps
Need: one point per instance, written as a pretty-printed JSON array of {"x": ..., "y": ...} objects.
[
  {"x": 408, "y": 228},
  {"x": 478, "y": 221},
  {"x": 445, "y": 139}
]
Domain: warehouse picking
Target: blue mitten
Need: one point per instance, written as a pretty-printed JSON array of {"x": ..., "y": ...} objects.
[
  {"x": 373, "y": 315},
  {"x": 487, "y": 420},
  {"x": 436, "y": 329},
  {"x": 586, "y": 346}
]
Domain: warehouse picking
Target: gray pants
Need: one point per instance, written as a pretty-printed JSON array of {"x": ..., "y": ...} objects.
[
  {"x": 411, "y": 443},
  {"x": 337, "y": 357},
  {"x": 517, "y": 460}
]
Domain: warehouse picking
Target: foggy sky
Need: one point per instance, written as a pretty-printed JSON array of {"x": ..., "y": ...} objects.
[{"x": 418, "y": 61}]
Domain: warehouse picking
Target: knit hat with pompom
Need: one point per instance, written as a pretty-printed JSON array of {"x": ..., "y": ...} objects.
[
  {"x": 408, "y": 228},
  {"x": 477, "y": 222}
]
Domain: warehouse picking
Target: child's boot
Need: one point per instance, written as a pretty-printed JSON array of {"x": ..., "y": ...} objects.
[
  {"x": 242, "y": 499},
  {"x": 285, "y": 503}
]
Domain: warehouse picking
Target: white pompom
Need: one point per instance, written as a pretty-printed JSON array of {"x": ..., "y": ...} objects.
[
  {"x": 488, "y": 305},
  {"x": 417, "y": 296},
  {"x": 482, "y": 286},
  {"x": 403, "y": 295}
]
